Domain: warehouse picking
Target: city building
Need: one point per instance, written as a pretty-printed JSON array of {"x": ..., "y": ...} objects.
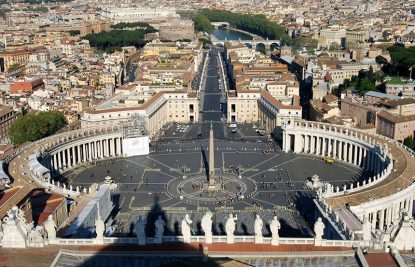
[
  {"x": 329, "y": 37},
  {"x": 128, "y": 15},
  {"x": 176, "y": 29},
  {"x": 157, "y": 110},
  {"x": 7, "y": 117},
  {"x": 26, "y": 86}
]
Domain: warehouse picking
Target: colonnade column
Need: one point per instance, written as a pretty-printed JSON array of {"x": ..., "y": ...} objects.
[
  {"x": 92, "y": 150},
  {"x": 55, "y": 162},
  {"x": 313, "y": 144},
  {"x": 64, "y": 163},
  {"x": 112, "y": 147},
  {"x": 84, "y": 152},
  {"x": 349, "y": 150},
  {"x": 388, "y": 216},
  {"x": 120, "y": 146},
  {"x": 78, "y": 150},
  {"x": 355, "y": 155},
  {"x": 341, "y": 150},
  {"x": 395, "y": 211},
  {"x": 99, "y": 149},
  {"x": 73, "y": 156},
  {"x": 381, "y": 219},
  {"x": 318, "y": 151},
  {"x": 104, "y": 148},
  {"x": 334, "y": 148},
  {"x": 330, "y": 147},
  {"x": 374, "y": 218},
  {"x": 364, "y": 159},
  {"x": 107, "y": 145},
  {"x": 59, "y": 159}
]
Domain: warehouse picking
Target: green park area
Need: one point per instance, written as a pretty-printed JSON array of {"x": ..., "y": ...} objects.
[
  {"x": 33, "y": 127},
  {"x": 110, "y": 41},
  {"x": 253, "y": 23}
]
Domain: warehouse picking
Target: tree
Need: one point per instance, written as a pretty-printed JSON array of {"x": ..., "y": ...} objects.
[
  {"x": 367, "y": 85},
  {"x": 381, "y": 60},
  {"x": 74, "y": 32},
  {"x": 334, "y": 47},
  {"x": 111, "y": 41},
  {"x": 202, "y": 24},
  {"x": 257, "y": 24},
  {"x": 33, "y": 127},
  {"x": 409, "y": 142},
  {"x": 204, "y": 41}
]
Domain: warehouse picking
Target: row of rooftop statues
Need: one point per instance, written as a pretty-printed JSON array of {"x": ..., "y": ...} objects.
[
  {"x": 15, "y": 232},
  {"x": 206, "y": 224}
]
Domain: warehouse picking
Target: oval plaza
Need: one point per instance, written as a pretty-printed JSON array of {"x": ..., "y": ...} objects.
[{"x": 378, "y": 201}]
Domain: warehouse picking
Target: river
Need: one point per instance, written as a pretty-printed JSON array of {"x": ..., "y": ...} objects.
[{"x": 224, "y": 33}]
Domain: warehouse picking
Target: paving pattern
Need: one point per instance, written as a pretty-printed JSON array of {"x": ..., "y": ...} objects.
[{"x": 258, "y": 178}]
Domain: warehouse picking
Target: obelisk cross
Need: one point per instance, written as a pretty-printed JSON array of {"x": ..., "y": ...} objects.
[{"x": 211, "y": 159}]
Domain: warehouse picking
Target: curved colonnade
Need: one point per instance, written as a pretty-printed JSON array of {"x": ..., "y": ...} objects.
[
  {"x": 380, "y": 198},
  {"x": 59, "y": 153}
]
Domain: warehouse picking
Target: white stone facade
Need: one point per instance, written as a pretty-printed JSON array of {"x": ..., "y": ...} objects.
[{"x": 364, "y": 151}]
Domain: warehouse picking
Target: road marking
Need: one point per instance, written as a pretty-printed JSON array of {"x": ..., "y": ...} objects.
[
  {"x": 122, "y": 201},
  {"x": 169, "y": 198},
  {"x": 269, "y": 203},
  {"x": 261, "y": 163},
  {"x": 131, "y": 202},
  {"x": 147, "y": 167},
  {"x": 247, "y": 203}
]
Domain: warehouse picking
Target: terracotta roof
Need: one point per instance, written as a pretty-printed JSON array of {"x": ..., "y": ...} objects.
[
  {"x": 278, "y": 104},
  {"x": 395, "y": 118},
  {"x": 399, "y": 102},
  {"x": 330, "y": 98},
  {"x": 43, "y": 204},
  {"x": 380, "y": 260},
  {"x": 8, "y": 194}
]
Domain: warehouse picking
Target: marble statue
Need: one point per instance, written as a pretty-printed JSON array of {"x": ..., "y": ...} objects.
[
  {"x": 319, "y": 229},
  {"x": 139, "y": 228},
  {"x": 230, "y": 226},
  {"x": 367, "y": 229},
  {"x": 275, "y": 227},
  {"x": 159, "y": 224},
  {"x": 50, "y": 227},
  {"x": 405, "y": 232},
  {"x": 259, "y": 238},
  {"x": 99, "y": 225},
  {"x": 35, "y": 237},
  {"x": 207, "y": 227},
  {"x": 186, "y": 229},
  {"x": 99, "y": 228},
  {"x": 14, "y": 229}
]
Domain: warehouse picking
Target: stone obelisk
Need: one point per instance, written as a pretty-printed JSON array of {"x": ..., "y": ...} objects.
[{"x": 211, "y": 161}]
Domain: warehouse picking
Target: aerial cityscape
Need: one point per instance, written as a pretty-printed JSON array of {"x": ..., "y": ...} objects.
[{"x": 207, "y": 133}]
